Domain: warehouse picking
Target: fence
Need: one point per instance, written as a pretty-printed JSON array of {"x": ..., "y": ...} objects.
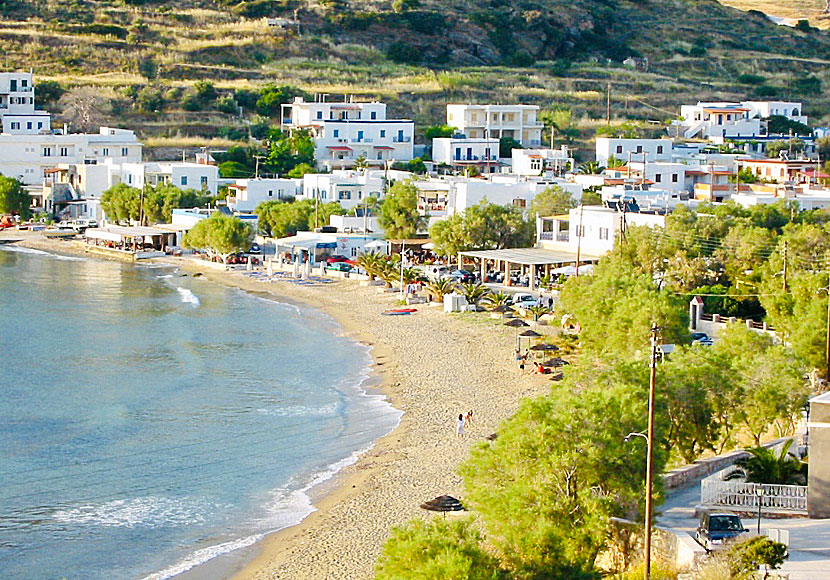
[{"x": 741, "y": 496}]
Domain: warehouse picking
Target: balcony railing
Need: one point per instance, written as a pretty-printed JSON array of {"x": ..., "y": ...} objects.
[
  {"x": 746, "y": 496},
  {"x": 474, "y": 158},
  {"x": 401, "y": 139},
  {"x": 363, "y": 140}
]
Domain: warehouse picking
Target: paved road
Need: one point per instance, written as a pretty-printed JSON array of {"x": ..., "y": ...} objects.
[{"x": 809, "y": 539}]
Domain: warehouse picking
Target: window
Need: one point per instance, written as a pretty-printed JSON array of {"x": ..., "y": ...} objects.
[
  {"x": 674, "y": 178},
  {"x": 659, "y": 149},
  {"x": 639, "y": 148},
  {"x": 382, "y": 133},
  {"x": 337, "y": 133},
  {"x": 184, "y": 180},
  {"x": 15, "y": 126},
  {"x": 580, "y": 231},
  {"x": 40, "y": 125},
  {"x": 13, "y": 85},
  {"x": 354, "y": 252},
  {"x": 360, "y": 135},
  {"x": 64, "y": 151},
  {"x": 106, "y": 151},
  {"x": 619, "y": 149},
  {"x": 124, "y": 152},
  {"x": 344, "y": 195},
  {"x": 658, "y": 178},
  {"x": 28, "y": 125},
  {"x": 203, "y": 181},
  {"x": 373, "y": 115},
  {"x": 47, "y": 152},
  {"x": 319, "y": 114},
  {"x": 24, "y": 83},
  {"x": 270, "y": 193},
  {"x": 603, "y": 233},
  {"x": 520, "y": 203}
]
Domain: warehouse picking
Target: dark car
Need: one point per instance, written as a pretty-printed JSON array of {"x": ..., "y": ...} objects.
[
  {"x": 462, "y": 276},
  {"x": 336, "y": 258},
  {"x": 255, "y": 249},
  {"x": 339, "y": 266},
  {"x": 716, "y": 529}
]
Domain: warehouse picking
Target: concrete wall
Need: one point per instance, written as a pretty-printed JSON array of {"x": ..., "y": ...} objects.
[{"x": 818, "y": 481}]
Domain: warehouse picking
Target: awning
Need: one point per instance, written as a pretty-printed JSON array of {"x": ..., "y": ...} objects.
[
  {"x": 385, "y": 147},
  {"x": 338, "y": 148},
  {"x": 531, "y": 256}
]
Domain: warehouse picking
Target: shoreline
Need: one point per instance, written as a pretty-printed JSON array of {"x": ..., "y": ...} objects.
[{"x": 431, "y": 366}]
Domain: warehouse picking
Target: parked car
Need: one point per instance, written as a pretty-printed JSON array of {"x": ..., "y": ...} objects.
[
  {"x": 339, "y": 266},
  {"x": 701, "y": 338},
  {"x": 462, "y": 276},
  {"x": 255, "y": 249},
  {"x": 716, "y": 529},
  {"x": 81, "y": 225},
  {"x": 437, "y": 272},
  {"x": 523, "y": 300},
  {"x": 336, "y": 258}
]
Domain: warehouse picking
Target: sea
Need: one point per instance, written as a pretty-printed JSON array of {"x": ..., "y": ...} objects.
[{"x": 151, "y": 421}]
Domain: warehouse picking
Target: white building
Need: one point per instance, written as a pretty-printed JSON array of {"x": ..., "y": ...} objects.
[
  {"x": 518, "y": 122},
  {"x": 246, "y": 194},
  {"x": 314, "y": 247},
  {"x": 661, "y": 174},
  {"x": 183, "y": 175},
  {"x": 344, "y": 132},
  {"x": 726, "y": 120},
  {"x": 589, "y": 229},
  {"x": 764, "y": 109},
  {"x": 461, "y": 152},
  {"x": 17, "y": 106},
  {"x": 633, "y": 149},
  {"x": 542, "y": 162},
  {"x": 349, "y": 188},
  {"x": 27, "y": 157}
]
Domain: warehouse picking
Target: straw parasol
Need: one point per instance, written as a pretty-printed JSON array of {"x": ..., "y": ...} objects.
[
  {"x": 530, "y": 334},
  {"x": 555, "y": 362},
  {"x": 516, "y": 323},
  {"x": 544, "y": 346},
  {"x": 443, "y": 503},
  {"x": 503, "y": 308}
]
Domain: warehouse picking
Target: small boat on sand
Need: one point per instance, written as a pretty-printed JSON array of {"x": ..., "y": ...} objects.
[{"x": 399, "y": 311}]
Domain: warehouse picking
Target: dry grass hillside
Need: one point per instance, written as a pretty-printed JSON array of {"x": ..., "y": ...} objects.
[{"x": 812, "y": 10}]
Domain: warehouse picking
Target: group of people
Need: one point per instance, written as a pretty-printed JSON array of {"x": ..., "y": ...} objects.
[
  {"x": 462, "y": 422},
  {"x": 521, "y": 358}
]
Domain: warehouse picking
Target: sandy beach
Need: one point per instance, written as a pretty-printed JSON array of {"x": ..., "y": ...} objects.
[{"x": 433, "y": 366}]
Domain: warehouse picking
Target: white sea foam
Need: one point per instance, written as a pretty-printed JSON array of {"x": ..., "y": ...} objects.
[
  {"x": 188, "y": 297},
  {"x": 148, "y": 512},
  {"x": 203, "y": 555},
  {"x": 301, "y": 411},
  {"x": 165, "y": 276},
  {"x": 33, "y": 251}
]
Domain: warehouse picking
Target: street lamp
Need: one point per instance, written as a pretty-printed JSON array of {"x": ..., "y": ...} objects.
[
  {"x": 635, "y": 434},
  {"x": 759, "y": 493}
]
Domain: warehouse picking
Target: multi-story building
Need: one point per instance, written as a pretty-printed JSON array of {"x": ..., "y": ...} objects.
[
  {"x": 18, "y": 115},
  {"x": 518, "y": 122},
  {"x": 542, "y": 162},
  {"x": 349, "y": 188},
  {"x": 347, "y": 131},
  {"x": 461, "y": 152},
  {"x": 181, "y": 174},
  {"x": 726, "y": 120}
]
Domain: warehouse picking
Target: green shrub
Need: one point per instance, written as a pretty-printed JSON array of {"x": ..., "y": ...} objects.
[
  {"x": 227, "y": 104},
  {"x": 150, "y": 100},
  {"x": 750, "y": 79},
  {"x": 191, "y": 102},
  {"x": 404, "y": 54}
]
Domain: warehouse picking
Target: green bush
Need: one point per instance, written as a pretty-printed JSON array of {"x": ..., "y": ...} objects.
[
  {"x": 751, "y": 79},
  {"x": 150, "y": 100},
  {"x": 404, "y": 54},
  {"x": 191, "y": 102},
  {"x": 227, "y": 104}
]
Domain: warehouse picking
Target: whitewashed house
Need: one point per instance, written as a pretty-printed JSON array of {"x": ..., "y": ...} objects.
[
  {"x": 17, "y": 106},
  {"x": 519, "y": 122},
  {"x": 589, "y": 229},
  {"x": 246, "y": 194},
  {"x": 633, "y": 149},
  {"x": 183, "y": 175},
  {"x": 346, "y": 131},
  {"x": 349, "y": 188},
  {"x": 461, "y": 152},
  {"x": 542, "y": 162}
]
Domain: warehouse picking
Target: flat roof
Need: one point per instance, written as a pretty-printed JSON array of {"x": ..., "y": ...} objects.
[{"x": 530, "y": 256}]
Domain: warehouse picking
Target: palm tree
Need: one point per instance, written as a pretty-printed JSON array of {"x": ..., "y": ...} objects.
[
  {"x": 411, "y": 275},
  {"x": 496, "y": 299},
  {"x": 613, "y": 162},
  {"x": 361, "y": 164},
  {"x": 538, "y": 311},
  {"x": 764, "y": 466},
  {"x": 371, "y": 262},
  {"x": 591, "y": 168},
  {"x": 390, "y": 271},
  {"x": 438, "y": 288},
  {"x": 473, "y": 292}
]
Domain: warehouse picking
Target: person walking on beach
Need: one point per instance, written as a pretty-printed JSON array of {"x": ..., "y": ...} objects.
[
  {"x": 459, "y": 426},
  {"x": 468, "y": 418}
]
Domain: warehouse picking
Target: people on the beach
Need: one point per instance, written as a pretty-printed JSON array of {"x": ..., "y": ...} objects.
[
  {"x": 459, "y": 426},
  {"x": 468, "y": 418}
]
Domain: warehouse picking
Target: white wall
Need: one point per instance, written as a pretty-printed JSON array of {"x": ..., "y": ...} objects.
[
  {"x": 449, "y": 150},
  {"x": 655, "y": 149},
  {"x": 251, "y": 192}
]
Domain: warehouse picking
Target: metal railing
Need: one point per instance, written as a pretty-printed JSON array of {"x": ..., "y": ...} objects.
[
  {"x": 401, "y": 139},
  {"x": 745, "y": 496}
]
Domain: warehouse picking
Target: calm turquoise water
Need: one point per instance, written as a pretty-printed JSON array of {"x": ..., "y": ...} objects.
[{"x": 151, "y": 421}]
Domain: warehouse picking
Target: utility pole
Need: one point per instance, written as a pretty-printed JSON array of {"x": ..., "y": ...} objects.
[
  {"x": 827, "y": 338},
  {"x": 650, "y": 457},
  {"x": 256, "y": 167},
  {"x": 785, "y": 266},
  {"x": 608, "y": 105},
  {"x": 579, "y": 239}
]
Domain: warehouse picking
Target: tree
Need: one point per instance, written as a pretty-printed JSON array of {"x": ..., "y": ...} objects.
[
  {"x": 438, "y": 288},
  {"x": 219, "y": 235},
  {"x": 399, "y": 215},
  {"x": 491, "y": 226},
  {"x": 765, "y": 466},
  {"x": 13, "y": 198},
  {"x": 285, "y": 218},
  {"x": 150, "y": 100},
  {"x": 559, "y": 469},
  {"x": 616, "y": 307},
  {"x": 496, "y": 299},
  {"x": 472, "y": 292},
  {"x": 84, "y": 108},
  {"x": 121, "y": 203},
  {"x": 781, "y": 125},
  {"x": 552, "y": 200},
  {"x": 746, "y": 557},
  {"x": 288, "y": 150},
  {"x": 440, "y": 549},
  {"x": 205, "y": 91},
  {"x": 507, "y": 145},
  {"x": 591, "y": 168},
  {"x": 436, "y": 131},
  {"x": 449, "y": 235},
  {"x": 272, "y": 97},
  {"x": 301, "y": 169},
  {"x": 792, "y": 146},
  {"x": 48, "y": 92}
]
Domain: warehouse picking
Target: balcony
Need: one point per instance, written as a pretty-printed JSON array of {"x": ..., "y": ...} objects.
[
  {"x": 401, "y": 139},
  {"x": 474, "y": 158},
  {"x": 363, "y": 140}
]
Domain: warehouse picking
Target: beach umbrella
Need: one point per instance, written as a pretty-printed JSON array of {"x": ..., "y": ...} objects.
[
  {"x": 443, "y": 503},
  {"x": 544, "y": 347},
  {"x": 492, "y": 436},
  {"x": 555, "y": 362},
  {"x": 516, "y": 323},
  {"x": 503, "y": 308},
  {"x": 530, "y": 334}
]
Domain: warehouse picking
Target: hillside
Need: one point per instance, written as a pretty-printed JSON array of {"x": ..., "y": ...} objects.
[
  {"x": 415, "y": 55},
  {"x": 812, "y": 10}
]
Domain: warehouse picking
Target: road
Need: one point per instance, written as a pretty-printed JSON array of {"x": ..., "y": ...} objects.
[{"x": 809, "y": 539}]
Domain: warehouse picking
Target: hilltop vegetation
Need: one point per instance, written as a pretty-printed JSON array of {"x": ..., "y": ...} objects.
[{"x": 145, "y": 58}]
